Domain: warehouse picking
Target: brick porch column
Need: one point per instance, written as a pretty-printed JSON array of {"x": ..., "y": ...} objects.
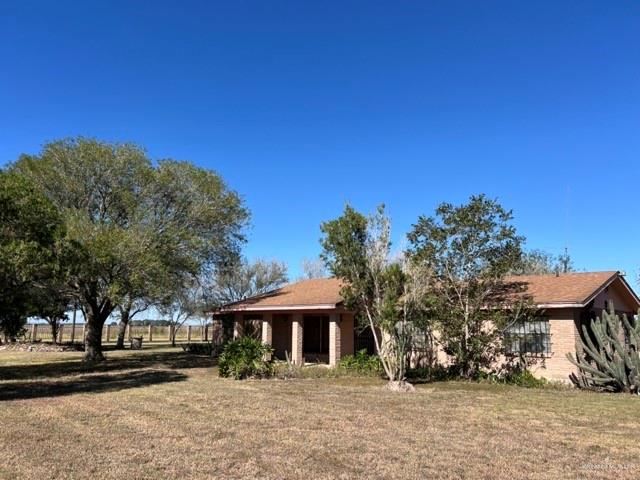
[
  {"x": 216, "y": 331},
  {"x": 267, "y": 330},
  {"x": 296, "y": 338},
  {"x": 238, "y": 325},
  {"x": 335, "y": 339}
]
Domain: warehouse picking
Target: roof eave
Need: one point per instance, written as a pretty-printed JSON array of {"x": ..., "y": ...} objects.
[
  {"x": 629, "y": 289},
  {"x": 267, "y": 308},
  {"x": 602, "y": 287},
  {"x": 560, "y": 305}
]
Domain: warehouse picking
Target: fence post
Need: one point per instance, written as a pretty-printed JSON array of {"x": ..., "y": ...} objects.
[
  {"x": 150, "y": 332},
  {"x": 84, "y": 332},
  {"x": 34, "y": 332},
  {"x": 128, "y": 334},
  {"x": 188, "y": 333},
  {"x": 108, "y": 332},
  {"x": 60, "y": 333},
  {"x": 170, "y": 332},
  {"x": 206, "y": 333}
]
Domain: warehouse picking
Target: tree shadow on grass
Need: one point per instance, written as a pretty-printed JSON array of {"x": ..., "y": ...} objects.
[
  {"x": 137, "y": 361},
  {"x": 87, "y": 384}
]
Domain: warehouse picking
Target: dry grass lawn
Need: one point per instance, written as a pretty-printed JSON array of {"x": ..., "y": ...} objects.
[{"x": 161, "y": 414}]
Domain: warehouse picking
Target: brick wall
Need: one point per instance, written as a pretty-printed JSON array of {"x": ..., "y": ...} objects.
[
  {"x": 335, "y": 339},
  {"x": 297, "y": 326},
  {"x": 564, "y": 333},
  {"x": 347, "y": 333}
]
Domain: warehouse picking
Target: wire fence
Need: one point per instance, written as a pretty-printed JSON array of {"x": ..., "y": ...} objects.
[{"x": 41, "y": 332}]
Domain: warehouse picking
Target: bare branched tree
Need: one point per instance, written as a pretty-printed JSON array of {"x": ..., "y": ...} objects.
[
  {"x": 539, "y": 262},
  {"x": 184, "y": 304},
  {"x": 313, "y": 268},
  {"x": 129, "y": 308},
  {"x": 389, "y": 296},
  {"x": 245, "y": 279}
]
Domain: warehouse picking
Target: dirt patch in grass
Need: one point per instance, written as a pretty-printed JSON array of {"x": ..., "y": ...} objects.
[{"x": 163, "y": 414}]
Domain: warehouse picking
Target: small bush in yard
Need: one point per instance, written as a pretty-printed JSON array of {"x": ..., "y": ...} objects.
[
  {"x": 433, "y": 373},
  {"x": 525, "y": 379},
  {"x": 288, "y": 369},
  {"x": 206, "y": 348},
  {"x": 361, "y": 363},
  {"x": 245, "y": 358},
  {"x": 516, "y": 373},
  {"x": 198, "y": 348}
]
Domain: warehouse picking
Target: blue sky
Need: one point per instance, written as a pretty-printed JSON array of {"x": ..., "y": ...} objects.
[{"x": 304, "y": 106}]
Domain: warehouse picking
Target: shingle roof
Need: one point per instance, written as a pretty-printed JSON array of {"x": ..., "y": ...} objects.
[
  {"x": 566, "y": 288},
  {"x": 317, "y": 292},
  {"x": 549, "y": 290}
]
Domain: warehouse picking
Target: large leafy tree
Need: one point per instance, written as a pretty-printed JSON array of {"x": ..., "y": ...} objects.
[
  {"x": 389, "y": 296},
  {"x": 30, "y": 228},
  {"x": 469, "y": 248},
  {"x": 139, "y": 229}
]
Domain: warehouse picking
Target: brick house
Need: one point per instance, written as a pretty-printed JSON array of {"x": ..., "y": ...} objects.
[
  {"x": 566, "y": 302},
  {"x": 308, "y": 320}
]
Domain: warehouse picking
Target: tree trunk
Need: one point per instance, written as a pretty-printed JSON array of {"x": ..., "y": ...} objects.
[
  {"x": 466, "y": 370},
  {"x": 122, "y": 330},
  {"x": 54, "y": 331},
  {"x": 93, "y": 338}
]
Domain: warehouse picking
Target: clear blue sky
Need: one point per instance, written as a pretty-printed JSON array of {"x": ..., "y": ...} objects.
[{"x": 303, "y": 106}]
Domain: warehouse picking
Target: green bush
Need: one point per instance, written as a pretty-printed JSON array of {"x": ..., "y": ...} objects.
[
  {"x": 434, "y": 373},
  {"x": 361, "y": 363},
  {"x": 524, "y": 378},
  {"x": 245, "y": 358},
  {"x": 515, "y": 374},
  {"x": 206, "y": 348}
]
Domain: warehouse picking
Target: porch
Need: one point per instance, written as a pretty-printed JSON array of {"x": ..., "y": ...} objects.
[{"x": 306, "y": 337}]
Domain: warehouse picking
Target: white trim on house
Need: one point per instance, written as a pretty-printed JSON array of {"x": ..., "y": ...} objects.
[
  {"x": 267, "y": 308},
  {"x": 560, "y": 305}
]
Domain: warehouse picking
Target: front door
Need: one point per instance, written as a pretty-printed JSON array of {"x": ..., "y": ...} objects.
[{"x": 315, "y": 336}]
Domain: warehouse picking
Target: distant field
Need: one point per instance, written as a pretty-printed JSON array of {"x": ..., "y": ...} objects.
[
  {"x": 157, "y": 333},
  {"x": 160, "y": 414}
]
